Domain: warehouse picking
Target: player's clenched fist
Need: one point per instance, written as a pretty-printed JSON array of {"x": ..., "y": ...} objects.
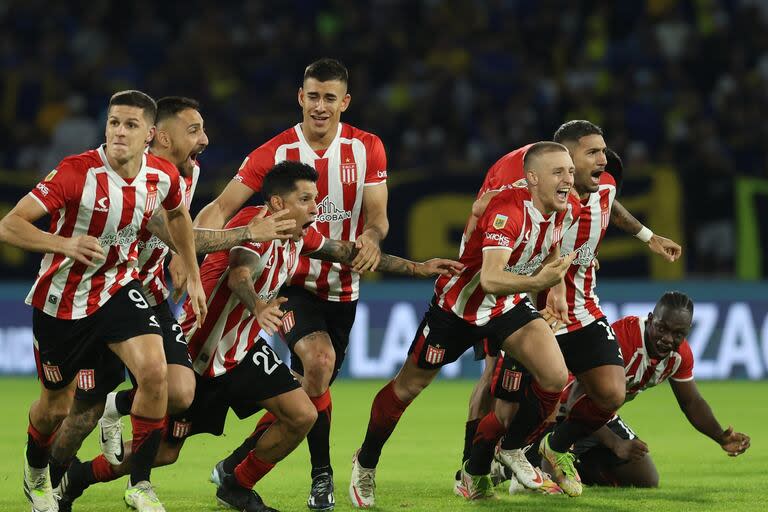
[
  {"x": 85, "y": 249},
  {"x": 734, "y": 443},
  {"x": 265, "y": 229},
  {"x": 269, "y": 314}
]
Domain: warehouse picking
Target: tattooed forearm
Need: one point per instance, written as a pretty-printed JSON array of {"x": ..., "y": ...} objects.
[
  {"x": 344, "y": 252},
  {"x": 241, "y": 284},
  {"x": 624, "y": 220},
  {"x": 206, "y": 240},
  {"x": 337, "y": 251}
]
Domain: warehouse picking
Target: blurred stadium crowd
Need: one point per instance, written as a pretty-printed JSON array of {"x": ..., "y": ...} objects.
[{"x": 449, "y": 86}]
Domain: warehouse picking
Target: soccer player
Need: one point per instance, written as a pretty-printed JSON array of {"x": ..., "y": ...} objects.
[
  {"x": 517, "y": 235},
  {"x": 654, "y": 349},
  {"x": 235, "y": 368},
  {"x": 587, "y": 343},
  {"x": 322, "y": 296},
  {"x": 87, "y": 298},
  {"x": 180, "y": 137}
]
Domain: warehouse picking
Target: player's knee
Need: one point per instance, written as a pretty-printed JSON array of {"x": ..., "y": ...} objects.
[
  {"x": 609, "y": 398},
  {"x": 152, "y": 376},
  {"x": 57, "y": 411},
  {"x": 408, "y": 389},
  {"x": 318, "y": 371},
  {"x": 301, "y": 422},
  {"x": 554, "y": 380}
]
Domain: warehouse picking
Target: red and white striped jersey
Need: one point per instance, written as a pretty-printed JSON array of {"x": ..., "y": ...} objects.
[
  {"x": 152, "y": 250},
  {"x": 584, "y": 238},
  {"x": 230, "y": 330},
  {"x": 641, "y": 370},
  {"x": 85, "y": 196},
  {"x": 507, "y": 170},
  {"x": 510, "y": 223},
  {"x": 355, "y": 159}
]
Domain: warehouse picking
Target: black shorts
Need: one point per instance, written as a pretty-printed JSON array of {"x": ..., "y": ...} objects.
[
  {"x": 109, "y": 372},
  {"x": 259, "y": 376},
  {"x": 443, "y": 337},
  {"x": 483, "y": 349},
  {"x": 589, "y": 347},
  {"x": 510, "y": 378},
  {"x": 591, "y": 452},
  {"x": 65, "y": 347},
  {"x": 306, "y": 313}
]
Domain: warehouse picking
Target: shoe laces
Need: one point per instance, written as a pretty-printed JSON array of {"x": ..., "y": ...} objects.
[
  {"x": 322, "y": 484},
  {"x": 366, "y": 481},
  {"x": 565, "y": 463}
]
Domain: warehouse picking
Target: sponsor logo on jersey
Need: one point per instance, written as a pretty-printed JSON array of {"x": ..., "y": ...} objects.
[
  {"x": 381, "y": 174},
  {"x": 86, "y": 380},
  {"x": 510, "y": 381},
  {"x": 238, "y": 178},
  {"x": 500, "y": 221},
  {"x": 43, "y": 189},
  {"x": 526, "y": 268},
  {"x": 151, "y": 244},
  {"x": 327, "y": 211},
  {"x": 434, "y": 355},
  {"x": 584, "y": 255},
  {"x": 288, "y": 322},
  {"x": 51, "y": 373},
  {"x": 102, "y": 205},
  {"x": 499, "y": 238},
  {"x": 123, "y": 238},
  {"x": 348, "y": 172},
  {"x": 50, "y": 175}
]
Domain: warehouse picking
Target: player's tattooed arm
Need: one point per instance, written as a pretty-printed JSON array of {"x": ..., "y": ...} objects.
[
  {"x": 340, "y": 251},
  {"x": 259, "y": 229},
  {"x": 625, "y": 221},
  {"x": 242, "y": 264}
]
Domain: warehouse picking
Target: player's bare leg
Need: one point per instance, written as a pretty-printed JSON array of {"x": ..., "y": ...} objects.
[
  {"x": 45, "y": 416},
  {"x": 145, "y": 358},
  {"x": 386, "y": 410},
  {"x": 81, "y": 420},
  {"x": 318, "y": 358}
]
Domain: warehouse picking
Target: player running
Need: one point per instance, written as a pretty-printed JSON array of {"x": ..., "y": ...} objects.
[
  {"x": 517, "y": 235},
  {"x": 235, "y": 368},
  {"x": 180, "y": 137},
  {"x": 87, "y": 296},
  {"x": 322, "y": 295}
]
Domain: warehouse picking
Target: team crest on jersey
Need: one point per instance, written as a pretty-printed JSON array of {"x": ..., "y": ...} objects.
[
  {"x": 288, "y": 322},
  {"x": 151, "y": 197},
  {"x": 557, "y": 233},
  {"x": 50, "y": 175},
  {"x": 510, "y": 381},
  {"x": 434, "y": 355},
  {"x": 605, "y": 219},
  {"x": 52, "y": 373},
  {"x": 291, "y": 259},
  {"x": 500, "y": 221},
  {"x": 86, "y": 380},
  {"x": 348, "y": 171}
]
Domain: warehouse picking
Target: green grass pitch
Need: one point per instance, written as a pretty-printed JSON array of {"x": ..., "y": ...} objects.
[{"x": 417, "y": 466}]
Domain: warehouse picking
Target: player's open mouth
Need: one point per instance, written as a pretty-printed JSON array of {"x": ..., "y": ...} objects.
[
  {"x": 595, "y": 175},
  {"x": 562, "y": 193}
]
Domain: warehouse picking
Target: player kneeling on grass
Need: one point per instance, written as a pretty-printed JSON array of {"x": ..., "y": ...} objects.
[
  {"x": 235, "y": 368},
  {"x": 654, "y": 349}
]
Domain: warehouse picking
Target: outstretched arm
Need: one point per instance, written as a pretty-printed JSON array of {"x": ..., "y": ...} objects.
[
  {"x": 625, "y": 221},
  {"x": 700, "y": 415},
  {"x": 340, "y": 251},
  {"x": 216, "y": 213}
]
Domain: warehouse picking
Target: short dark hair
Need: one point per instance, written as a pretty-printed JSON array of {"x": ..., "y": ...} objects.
[
  {"x": 281, "y": 179},
  {"x": 574, "y": 130},
  {"x": 326, "y": 69},
  {"x": 169, "y": 106},
  {"x": 134, "y": 98},
  {"x": 539, "y": 149},
  {"x": 675, "y": 300}
]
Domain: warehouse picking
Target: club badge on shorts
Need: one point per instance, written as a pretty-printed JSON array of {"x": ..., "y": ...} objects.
[
  {"x": 434, "y": 355},
  {"x": 86, "y": 379},
  {"x": 52, "y": 373},
  {"x": 288, "y": 322},
  {"x": 510, "y": 381}
]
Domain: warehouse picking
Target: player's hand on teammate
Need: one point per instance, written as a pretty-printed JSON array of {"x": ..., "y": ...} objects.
[
  {"x": 670, "y": 250},
  {"x": 274, "y": 227},
  {"x": 368, "y": 254},
  {"x": 631, "y": 449},
  {"x": 197, "y": 299},
  {"x": 178, "y": 274},
  {"x": 555, "y": 313},
  {"x": 84, "y": 249},
  {"x": 553, "y": 272},
  {"x": 437, "y": 266},
  {"x": 269, "y": 315},
  {"x": 734, "y": 443}
]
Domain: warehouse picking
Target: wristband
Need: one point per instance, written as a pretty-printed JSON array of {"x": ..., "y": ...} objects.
[{"x": 644, "y": 234}]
